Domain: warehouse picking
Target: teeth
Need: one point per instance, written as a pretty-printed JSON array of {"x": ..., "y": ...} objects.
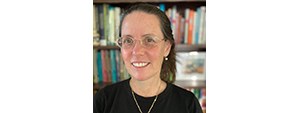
[{"x": 139, "y": 64}]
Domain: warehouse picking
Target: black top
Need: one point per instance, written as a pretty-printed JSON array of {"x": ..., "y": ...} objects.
[{"x": 117, "y": 98}]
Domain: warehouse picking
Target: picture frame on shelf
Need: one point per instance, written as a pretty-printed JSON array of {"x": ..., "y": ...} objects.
[{"x": 191, "y": 66}]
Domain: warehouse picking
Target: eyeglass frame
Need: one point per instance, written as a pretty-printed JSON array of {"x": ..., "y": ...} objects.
[{"x": 141, "y": 41}]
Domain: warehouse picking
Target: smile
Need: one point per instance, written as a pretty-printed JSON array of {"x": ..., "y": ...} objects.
[{"x": 140, "y": 64}]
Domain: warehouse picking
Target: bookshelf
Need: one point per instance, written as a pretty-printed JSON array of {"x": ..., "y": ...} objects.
[{"x": 181, "y": 46}]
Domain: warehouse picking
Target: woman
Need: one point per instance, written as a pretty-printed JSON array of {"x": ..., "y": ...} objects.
[{"x": 147, "y": 48}]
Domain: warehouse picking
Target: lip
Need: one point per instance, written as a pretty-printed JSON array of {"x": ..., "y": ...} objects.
[{"x": 140, "y": 64}]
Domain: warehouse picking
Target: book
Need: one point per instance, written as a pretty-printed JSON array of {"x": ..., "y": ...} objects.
[
  {"x": 95, "y": 26},
  {"x": 99, "y": 66},
  {"x": 118, "y": 65},
  {"x": 197, "y": 26},
  {"x": 113, "y": 66},
  {"x": 117, "y": 22},
  {"x": 95, "y": 68},
  {"x": 108, "y": 65},
  {"x": 202, "y": 25},
  {"x": 104, "y": 66},
  {"x": 95, "y": 22},
  {"x": 111, "y": 25},
  {"x": 101, "y": 20},
  {"x": 162, "y": 7},
  {"x": 191, "y": 27},
  {"x": 105, "y": 23},
  {"x": 186, "y": 27}
]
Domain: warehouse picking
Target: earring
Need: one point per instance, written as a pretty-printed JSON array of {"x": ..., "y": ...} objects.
[{"x": 166, "y": 58}]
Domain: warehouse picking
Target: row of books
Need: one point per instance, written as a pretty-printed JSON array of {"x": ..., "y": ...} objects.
[
  {"x": 108, "y": 66},
  {"x": 188, "y": 28},
  {"x": 106, "y": 23}
]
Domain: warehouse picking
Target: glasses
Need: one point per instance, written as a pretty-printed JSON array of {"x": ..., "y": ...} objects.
[{"x": 147, "y": 42}]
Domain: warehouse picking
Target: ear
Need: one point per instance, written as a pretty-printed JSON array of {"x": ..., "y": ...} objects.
[{"x": 167, "y": 48}]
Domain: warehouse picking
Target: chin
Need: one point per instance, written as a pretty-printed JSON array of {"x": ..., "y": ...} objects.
[{"x": 140, "y": 77}]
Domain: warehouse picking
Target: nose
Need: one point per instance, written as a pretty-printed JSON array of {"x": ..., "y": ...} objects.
[{"x": 138, "y": 48}]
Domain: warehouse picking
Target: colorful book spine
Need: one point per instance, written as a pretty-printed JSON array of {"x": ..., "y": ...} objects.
[
  {"x": 182, "y": 28},
  {"x": 113, "y": 66},
  {"x": 104, "y": 65},
  {"x": 95, "y": 67},
  {"x": 186, "y": 28},
  {"x": 194, "y": 28},
  {"x": 105, "y": 22},
  {"x": 162, "y": 7},
  {"x": 111, "y": 25},
  {"x": 191, "y": 26},
  {"x": 118, "y": 64},
  {"x": 99, "y": 66},
  {"x": 117, "y": 22},
  {"x": 95, "y": 22},
  {"x": 197, "y": 32},
  {"x": 108, "y": 65},
  {"x": 202, "y": 25},
  {"x": 101, "y": 24}
]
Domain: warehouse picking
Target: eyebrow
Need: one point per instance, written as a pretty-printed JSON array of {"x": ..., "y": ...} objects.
[
  {"x": 127, "y": 36},
  {"x": 149, "y": 34}
]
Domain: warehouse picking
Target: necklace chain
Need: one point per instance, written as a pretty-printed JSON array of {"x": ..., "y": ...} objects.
[{"x": 137, "y": 104}]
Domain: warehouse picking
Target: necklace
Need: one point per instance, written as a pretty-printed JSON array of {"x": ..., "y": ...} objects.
[{"x": 137, "y": 104}]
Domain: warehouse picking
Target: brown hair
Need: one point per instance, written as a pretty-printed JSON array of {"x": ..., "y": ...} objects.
[{"x": 168, "y": 68}]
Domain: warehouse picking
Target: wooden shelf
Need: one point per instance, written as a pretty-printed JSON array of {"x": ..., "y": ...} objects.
[
  {"x": 191, "y": 83},
  {"x": 188, "y": 48},
  {"x": 178, "y": 48},
  {"x": 106, "y": 47},
  {"x": 156, "y": 1}
]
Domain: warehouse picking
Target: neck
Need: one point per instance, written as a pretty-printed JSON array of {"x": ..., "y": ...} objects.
[{"x": 147, "y": 88}]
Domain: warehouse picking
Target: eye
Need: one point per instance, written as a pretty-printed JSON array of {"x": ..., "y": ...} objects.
[
  {"x": 150, "y": 40},
  {"x": 127, "y": 41}
]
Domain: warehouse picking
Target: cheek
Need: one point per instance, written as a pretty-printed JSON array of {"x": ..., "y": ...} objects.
[
  {"x": 152, "y": 55},
  {"x": 125, "y": 55},
  {"x": 156, "y": 55}
]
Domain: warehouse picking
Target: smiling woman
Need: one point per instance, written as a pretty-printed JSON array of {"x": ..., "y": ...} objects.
[
  {"x": 140, "y": 53},
  {"x": 147, "y": 48}
]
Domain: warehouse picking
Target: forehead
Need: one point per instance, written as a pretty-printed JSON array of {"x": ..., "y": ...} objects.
[{"x": 140, "y": 23}]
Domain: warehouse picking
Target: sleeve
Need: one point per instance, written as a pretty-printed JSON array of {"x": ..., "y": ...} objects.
[
  {"x": 99, "y": 102},
  {"x": 195, "y": 106}
]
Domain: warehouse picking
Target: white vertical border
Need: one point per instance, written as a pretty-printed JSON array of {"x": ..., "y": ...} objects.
[
  {"x": 46, "y": 56},
  {"x": 252, "y": 56}
]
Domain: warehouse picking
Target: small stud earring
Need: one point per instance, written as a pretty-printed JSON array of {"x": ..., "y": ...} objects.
[{"x": 166, "y": 58}]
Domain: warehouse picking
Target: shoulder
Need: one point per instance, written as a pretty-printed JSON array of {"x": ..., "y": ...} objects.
[
  {"x": 105, "y": 97},
  {"x": 186, "y": 98},
  {"x": 112, "y": 89},
  {"x": 181, "y": 91}
]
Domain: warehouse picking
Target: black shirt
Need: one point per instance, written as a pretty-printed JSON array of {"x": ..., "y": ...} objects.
[{"x": 117, "y": 98}]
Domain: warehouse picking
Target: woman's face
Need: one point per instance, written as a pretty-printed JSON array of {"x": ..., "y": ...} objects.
[{"x": 143, "y": 59}]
